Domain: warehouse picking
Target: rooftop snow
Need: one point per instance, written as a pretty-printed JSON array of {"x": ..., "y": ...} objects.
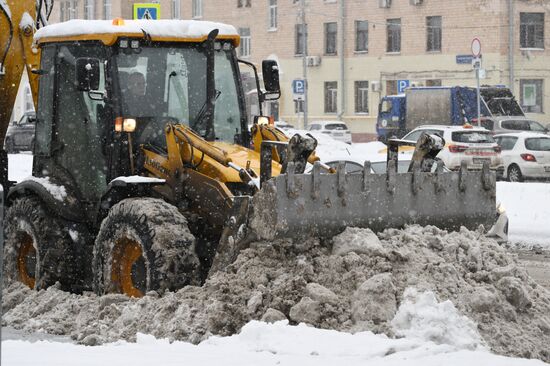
[{"x": 156, "y": 28}]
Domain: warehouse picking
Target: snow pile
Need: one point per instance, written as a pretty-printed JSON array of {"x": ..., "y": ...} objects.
[
  {"x": 421, "y": 316},
  {"x": 257, "y": 343},
  {"x": 355, "y": 282}
]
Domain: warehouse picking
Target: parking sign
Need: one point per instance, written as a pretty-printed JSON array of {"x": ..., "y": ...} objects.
[
  {"x": 147, "y": 11},
  {"x": 298, "y": 86},
  {"x": 402, "y": 85}
]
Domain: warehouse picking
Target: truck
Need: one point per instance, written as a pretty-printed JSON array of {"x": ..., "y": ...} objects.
[{"x": 456, "y": 105}]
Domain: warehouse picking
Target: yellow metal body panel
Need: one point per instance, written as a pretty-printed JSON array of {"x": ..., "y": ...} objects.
[{"x": 19, "y": 57}]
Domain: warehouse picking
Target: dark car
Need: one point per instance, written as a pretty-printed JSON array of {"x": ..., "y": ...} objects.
[{"x": 20, "y": 134}]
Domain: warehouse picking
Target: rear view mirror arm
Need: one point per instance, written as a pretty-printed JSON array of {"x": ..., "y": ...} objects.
[{"x": 261, "y": 94}]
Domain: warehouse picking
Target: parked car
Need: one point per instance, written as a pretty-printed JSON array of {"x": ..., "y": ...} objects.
[
  {"x": 283, "y": 125},
  {"x": 475, "y": 145},
  {"x": 525, "y": 155},
  {"x": 512, "y": 124},
  {"x": 338, "y": 130},
  {"x": 20, "y": 134}
]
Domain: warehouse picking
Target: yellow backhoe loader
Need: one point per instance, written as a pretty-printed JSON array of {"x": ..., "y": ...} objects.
[{"x": 145, "y": 175}]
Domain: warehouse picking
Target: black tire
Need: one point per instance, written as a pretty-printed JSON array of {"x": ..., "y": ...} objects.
[
  {"x": 9, "y": 146},
  {"x": 37, "y": 249},
  {"x": 514, "y": 174},
  {"x": 144, "y": 244}
]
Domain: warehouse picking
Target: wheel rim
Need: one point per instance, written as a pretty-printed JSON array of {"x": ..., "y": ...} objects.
[
  {"x": 513, "y": 174},
  {"x": 26, "y": 261},
  {"x": 128, "y": 268}
]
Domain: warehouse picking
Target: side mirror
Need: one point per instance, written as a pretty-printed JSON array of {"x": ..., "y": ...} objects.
[
  {"x": 270, "y": 71},
  {"x": 87, "y": 74}
]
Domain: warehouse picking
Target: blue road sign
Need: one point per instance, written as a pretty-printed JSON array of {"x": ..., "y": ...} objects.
[
  {"x": 402, "y": 85},
  {"x": 298, "y": 86},
  {"x": 147, "y": 11},
  {"x": 464, "y": 59}
]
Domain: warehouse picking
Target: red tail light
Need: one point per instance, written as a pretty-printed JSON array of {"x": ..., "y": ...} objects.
[
  {"x": 457, "y": 148},
  {"x": 497, "y": 149},
  {"x": 528, "y": 157}
]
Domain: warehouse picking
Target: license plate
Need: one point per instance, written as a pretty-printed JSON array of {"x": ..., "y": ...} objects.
[
  {"x": 547, "y": 168},
  {"x": 339, "y": 134},
  {"x": 481, "y": 161}
]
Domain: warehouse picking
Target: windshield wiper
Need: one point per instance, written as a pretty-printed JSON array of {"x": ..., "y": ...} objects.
[
  {"x": 202, "y": 114},
  {"x": 207, "y": 110}
]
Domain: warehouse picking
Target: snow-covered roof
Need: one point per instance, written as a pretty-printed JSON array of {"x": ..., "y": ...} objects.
[{"x": 106, "y": 31}]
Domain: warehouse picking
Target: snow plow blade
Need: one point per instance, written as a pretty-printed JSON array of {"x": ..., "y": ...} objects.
[{"x": 295, "y": 205}]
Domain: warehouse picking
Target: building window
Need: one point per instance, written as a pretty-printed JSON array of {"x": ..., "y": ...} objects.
[
  {"x": 531, "y": 31},
  {"x": 298, "y": 106},
  {"x": 89, "y": 9},
  {"x": 244, "y": 3},
  {"x": 393, "y": 31},
  {"x": 107, "y": 10},
  {"x": 433, "y": 29},
  {"x": 62, "y": 12},
  {"x": 433, "y": 82},
  {"x": 176, "y": 9},
  {"x": 301, "y": 39},
  {"x": 531, "y": 95},
  {"x": 272, "y": 14},
  {"x": 72, "y": 9},
  {"x": 361, "y": 36},
  {"x": 331, "y": 96},
  {"x": 391, "y": 87},
  {"x": 29, "y": 105},
  {"x": 196, "y": 11},
  {"x": 361, "y": 97},
  {"x": 244, "y": 47},
  {"x": 331, "y": 30}
]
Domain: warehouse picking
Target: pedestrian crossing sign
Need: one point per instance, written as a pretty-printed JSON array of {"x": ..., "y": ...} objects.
[{"x": 147, "y": 11}]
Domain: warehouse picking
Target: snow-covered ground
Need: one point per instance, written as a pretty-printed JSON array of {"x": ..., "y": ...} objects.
[
  {"x": 528, "y": 206},
  {"x": 257, "y": 344}
]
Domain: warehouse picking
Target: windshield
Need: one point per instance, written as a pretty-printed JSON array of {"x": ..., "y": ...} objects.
[
  {"x": 538, "y": 144},
  {"x": 168, "y": 84},
  {"x": 336, "y": 126},
  {"x": 472, "y": 137}
]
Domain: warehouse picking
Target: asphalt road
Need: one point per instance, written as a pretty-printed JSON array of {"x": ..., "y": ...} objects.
[{"x": 537, "y": 264}]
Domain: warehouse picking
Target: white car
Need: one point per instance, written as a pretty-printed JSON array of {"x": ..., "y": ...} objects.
[
  {"x": 283, "y": 125},
  {"x": 525, "y": 155},
  {"x": 475, "y": 145},
  {"x": 338, "y": 130}
]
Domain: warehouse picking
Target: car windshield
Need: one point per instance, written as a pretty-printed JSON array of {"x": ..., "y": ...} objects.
[
  {"x": 380, "y": 167},
  {"x": 535, "y": 126},
  {"x": 472, "y": 137},
  {"x": 162, "y": 84},
  {"x": 523, "y": 125},
  {"x": 538, "y": 144},
  {"x": 336, "y": 126},
  {"x": 487, "y": 123}
]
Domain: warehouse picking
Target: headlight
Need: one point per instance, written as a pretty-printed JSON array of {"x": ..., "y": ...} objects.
[{"x": 500, "y": 208}]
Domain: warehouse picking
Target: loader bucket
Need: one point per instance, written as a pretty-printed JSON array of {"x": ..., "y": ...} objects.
[{"x": 322, "y": 205}]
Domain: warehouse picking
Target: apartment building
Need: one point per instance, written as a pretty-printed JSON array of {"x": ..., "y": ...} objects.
[{"x": 359, "y": 50}]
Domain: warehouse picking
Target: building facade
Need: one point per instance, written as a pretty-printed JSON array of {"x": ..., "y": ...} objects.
[{"x": 359, "y": 50}]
